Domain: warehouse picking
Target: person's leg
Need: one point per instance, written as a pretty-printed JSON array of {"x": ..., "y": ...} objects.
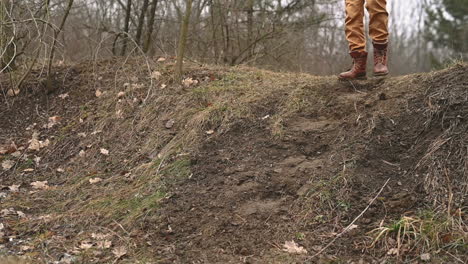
[
  {"x": 357, "y": 41},
  {"x": 355, "y": 25},
  {"x": 378, "y": 31}
]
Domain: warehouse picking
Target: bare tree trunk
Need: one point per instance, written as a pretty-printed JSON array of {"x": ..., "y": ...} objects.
[
  {"x": 183, "y": 40},
  {"x": 141, "y": 21},
  {"x": 214, "y": 29},
  {"x": 56, "y": 34},
  {"x": 150, "y": 26},
  {"x": 126, "y": 26},
  {"x": 250, "y": 11}
]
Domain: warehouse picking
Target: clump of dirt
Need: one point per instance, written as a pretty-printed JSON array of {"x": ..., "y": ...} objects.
[{"x": 234, "y": 163}]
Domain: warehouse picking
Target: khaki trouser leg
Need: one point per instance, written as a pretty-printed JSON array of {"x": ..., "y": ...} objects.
[
  {"x": 378, "y": 26},
  {"x": 355, "y": 25}
]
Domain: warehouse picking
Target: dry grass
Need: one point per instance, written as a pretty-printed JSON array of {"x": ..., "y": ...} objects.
[{"x": 427, "y": 232}]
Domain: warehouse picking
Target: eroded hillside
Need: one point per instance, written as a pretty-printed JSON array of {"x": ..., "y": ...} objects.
[{"x": 117, "y": 164}]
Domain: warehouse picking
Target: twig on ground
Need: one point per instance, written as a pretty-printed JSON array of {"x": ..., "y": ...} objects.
[{"x": 352, "y": 223}]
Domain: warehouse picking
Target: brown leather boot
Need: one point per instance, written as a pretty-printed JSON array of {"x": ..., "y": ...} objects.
[
  {"x": 380, "y": 59},
  {"x": 358, "y": 71}
]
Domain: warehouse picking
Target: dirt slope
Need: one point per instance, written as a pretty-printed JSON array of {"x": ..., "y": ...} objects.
[{"x": 234, "y": 164}]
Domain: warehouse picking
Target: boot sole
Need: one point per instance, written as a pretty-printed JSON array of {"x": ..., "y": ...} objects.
[
  {"x": 353, "y": 79},
  {"x": 380, "y": 74}
]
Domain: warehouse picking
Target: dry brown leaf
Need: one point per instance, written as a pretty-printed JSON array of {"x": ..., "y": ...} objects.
[
  {"x": 21, "y": 214},
  {"x": 95, "y": 180},
  {"x": 294, "y": 248},
  {"x": 40, "y": 185},
  {"x": 119, "y": 252},
  {"x": 210, "y": 132},
  {"x": 104, "y": 152},
  {"x": 7, "y": 149},
  {"x": 86, "y": 244},
  {"x": 189, "y": 82},
  {"x": 100, "y": 236},
  {"x": 121, "y": 94},
  {"x": 7, "y": 164},
  {"x": 34, "y": 144},
  {"x": 53, "y": 121},
  {"x": 162, "y": 59},
  {"x": 63, "y": 96},
  {"x": 156, "y": 75},
  {"x": 14, "y": 188},
  {"x": 103, "y": 244},
  {"x": 13, "y": 92},
  {"x": 98, "y": 93},
  {"x": 425, "y": 257}
]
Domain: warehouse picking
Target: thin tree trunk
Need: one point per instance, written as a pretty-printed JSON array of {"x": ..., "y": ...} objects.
[
  {"x": 150, "y": 26},
  {"x": 250, "y": 26},
  {"x": 183, "y": 40},
  {"x": 126, "y": 27},
  {"x": 56, "y": 34},
  {"x": 141, "y": 21}
]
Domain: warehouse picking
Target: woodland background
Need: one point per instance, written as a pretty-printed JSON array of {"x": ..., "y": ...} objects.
[{"x": 290, "y": 35}]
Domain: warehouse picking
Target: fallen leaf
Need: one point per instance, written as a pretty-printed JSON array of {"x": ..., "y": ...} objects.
[
  {"x": 13, "y": 92},
  {"x": 7, "y": 164},
  {"x": 14, "y": 188},
  {"x": 104, "y": 152},
  {"x": 83, "y": 135},
  {"x": 119, "y": 252},
  {"x": 98, "y": 93},
  {"x": 25, "y": 248},
  {"x": 294, "y": 248},
  {"x": 156, "y": 75},
  {"x": 162, "y": 59},
  {"x": 189, "y": 82},
  {"x": 121, "y": 94},
  {"x": 163, "y": 86},
  {"x": 60, "y": 170},
  {"x": 82, "y": 153},
  {"x": 34, "y": 144},
  {"x": 16, "y": 154},
  {"x": 6, "y": 212},
  {"x": 40, "y": 185},
  {"x": 392, "y": 252},
  {"x": 53, "y": 121},
  {"x": 99, "y": 236},
  {"x": 426, "y": 257},
  {"x": 12, "y": 148},
  {"x": 63, "y": 96},
  {"x": 86, "y": 244},
  {"x": 37, "y": 160},
  {"x": 210, "y": 132},
  {"x": 95, "y": 180},
  {"x": 21, "y": 214},
  {"x": 28, "y": 170},
  {"x": 2, "y": 226},
  {"x": 104, "y": 244}
]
